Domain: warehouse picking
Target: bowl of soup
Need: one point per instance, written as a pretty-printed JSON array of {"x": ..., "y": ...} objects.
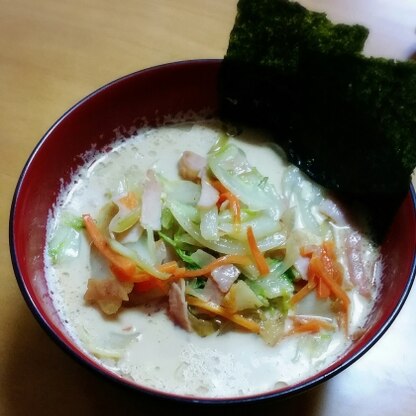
[{"x": 184, "y": 257}]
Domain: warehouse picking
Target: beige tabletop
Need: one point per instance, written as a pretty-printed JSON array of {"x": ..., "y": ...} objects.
[{"x": 53, "y": 53}]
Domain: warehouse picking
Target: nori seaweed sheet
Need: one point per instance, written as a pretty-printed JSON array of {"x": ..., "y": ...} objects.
[
  {"x": 273, "y": 33},
  {"x": 346, "y": 120}
]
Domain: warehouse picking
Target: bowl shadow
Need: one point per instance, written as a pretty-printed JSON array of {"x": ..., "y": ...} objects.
[{"x": 44, "y": 380}]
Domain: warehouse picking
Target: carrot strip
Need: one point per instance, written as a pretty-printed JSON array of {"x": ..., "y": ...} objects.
[
  {"x": 306, "y": 327},
  {"x": 329, "y": 250},
  {"x": 142, "y": 287},
  {"x": 338, "y": 291},
  {"x": 258, "y": 257},
  {"x": 299, "y": 295},
  {"x": 221, "y": 199},
  {"x": 301, "y": 325},
  {"x": 325, "y": 273},
  {"x": 228, "y": 259},
  {"x": 126, "y": 275},
  {"x": 219, "y": 310},
  {"x": 123, "y": 266},
  {"x": 219, "y": 186},
  {"x": 148, "y": 285},
  {"x": 235, "y": 207},
  {"x": 225, "y": 194},
  {"x": 316, "y": 269},
  {"x": 323, "y": 267},
  {"x": 323, "y": 290},
  {"x": 170, "y": 267},
  {"x": 179, "y": 273}
]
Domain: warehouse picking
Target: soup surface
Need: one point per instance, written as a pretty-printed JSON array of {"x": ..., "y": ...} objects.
[{"x": 266, "y": 318}]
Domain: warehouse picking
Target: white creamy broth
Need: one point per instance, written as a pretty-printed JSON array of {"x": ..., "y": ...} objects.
[{"x": 142, "y": 343}]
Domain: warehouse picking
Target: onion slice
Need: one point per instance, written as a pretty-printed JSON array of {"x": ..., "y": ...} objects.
[{"x": 151, "y": 203}]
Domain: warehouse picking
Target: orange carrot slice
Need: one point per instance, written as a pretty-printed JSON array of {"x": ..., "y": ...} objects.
[
  {"x": 299, "y": 295},
  {"x": 325, "y": 274},
  {"x": 225, "y": 194},
  {"x": 146, "y": 286},
  {"x": 219, "y": 186},
  {"x": 228, "y": 259},
  {"x": 123, "y": 265},
  {"x": 258, "y": 257},
  {"x": 302, "y": 325},
  {"x": 235, "y": 208}
]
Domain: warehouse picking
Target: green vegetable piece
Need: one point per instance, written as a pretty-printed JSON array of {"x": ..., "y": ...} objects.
[
  {"x": 167, "y": 219},
  {"x": 138, "y": 252},
  {"x": 292, "y": 274},
  {"x": 182, "y": 254},
  {"x": 202, "y": 258},
  {"x": 272, "y": 286},
  {"x": 122, "y": 223},
  {"x": 187, "y": 259},
  {"x": 203, "y": 327},
  {"x": 74, "y": 221},
  {"x": 65, "y": 241},
  {"x": 223, "y": 245},
  {"x": 230, "y": 165},
  {"x": 64, "y": 245}
]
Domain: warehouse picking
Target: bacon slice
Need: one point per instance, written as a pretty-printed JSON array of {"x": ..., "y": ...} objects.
[
  {"x": 178, "y": 308},
  {"x": 355, "y": 263},
  {"x": 225, "y": 276},
  {"x": 190, "y": 165},
  {"x": 212, "y": 293}
]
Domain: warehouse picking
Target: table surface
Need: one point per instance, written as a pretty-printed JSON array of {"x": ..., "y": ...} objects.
[{"x": 53, "y": 53}]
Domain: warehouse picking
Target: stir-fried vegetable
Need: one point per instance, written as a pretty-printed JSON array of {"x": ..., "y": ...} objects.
[
  {"x": 221, "y": 246},
  {"x": 65, "y": 242}
]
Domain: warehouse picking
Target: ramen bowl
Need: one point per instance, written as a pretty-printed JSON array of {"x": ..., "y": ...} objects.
[{"x": 154, "y": 97}]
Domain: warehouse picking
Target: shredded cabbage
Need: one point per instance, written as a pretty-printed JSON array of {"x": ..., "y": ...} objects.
[
  {"x": 229, "y": 164},
  {"x": 65, "y": 242},
  {"x": 193, "y": 241}
]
